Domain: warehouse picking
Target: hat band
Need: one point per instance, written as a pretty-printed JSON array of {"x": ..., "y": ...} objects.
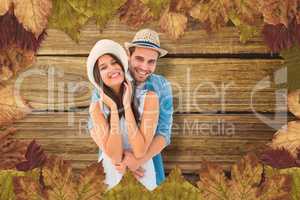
[{"x": 146, "y": 43}]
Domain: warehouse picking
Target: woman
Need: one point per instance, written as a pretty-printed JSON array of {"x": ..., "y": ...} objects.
[{"x": 117, "y": 123}]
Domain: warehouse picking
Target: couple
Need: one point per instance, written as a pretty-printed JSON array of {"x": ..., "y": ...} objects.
[{"x": 131, "y": 108}]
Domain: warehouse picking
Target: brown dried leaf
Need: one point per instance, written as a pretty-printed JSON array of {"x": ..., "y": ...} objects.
[
  {"x": 4, "y": 6},
  {"x": 245, "y": 182},
  {"x": 288, "y": 137},
  {"x": 247, "y": 10},
  {"x": 28, "y": 187},
  {"x": 245, "y": 178},
  {"x": 12, "y": 107},
  {"x": 91, "y": 183},
  {"x": 278, "y": 11},
  {"x": 12, "y": 151},
  {"x": 276, "y": 188},
  {"x": 214, "y": 14},
  {"x": 213, "y": 182},
  {"x": 173, "y": 23},
  {"x": 184, "y": 5},
  {"x": 135, "y": 13},
  {"x": 294, "y": 102},
  {"x": 279, "y": 158},
  {"x": 33, "y": 14},
  {"x": 58, "y": 177},
  {"x": 12, "y": 60}
]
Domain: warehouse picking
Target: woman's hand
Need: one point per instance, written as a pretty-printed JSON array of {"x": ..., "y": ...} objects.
[
  {"x": 121, "y": 167},
  {"x": 127, "y": 95},
  {"x": 107, "y": 100}
]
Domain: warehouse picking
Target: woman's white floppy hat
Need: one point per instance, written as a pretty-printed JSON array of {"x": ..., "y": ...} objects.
[
  {"x": 146, "y": 38},
  {"x": 102, "y": 47}
]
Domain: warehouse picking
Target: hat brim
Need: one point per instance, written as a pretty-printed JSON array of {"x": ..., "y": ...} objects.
[{"x": 161, "y": 51}]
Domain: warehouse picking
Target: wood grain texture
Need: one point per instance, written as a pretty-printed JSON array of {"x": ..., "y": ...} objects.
[
  {"x": 199, "y": 85},
  {"x": 194, "y": 137},
  {"x": 195, "y": 40}
]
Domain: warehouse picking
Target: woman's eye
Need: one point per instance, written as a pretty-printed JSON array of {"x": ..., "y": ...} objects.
[{"x": 102, "y": 68}]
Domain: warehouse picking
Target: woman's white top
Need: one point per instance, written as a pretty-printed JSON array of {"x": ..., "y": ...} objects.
[{"x": 112, "y": 176}]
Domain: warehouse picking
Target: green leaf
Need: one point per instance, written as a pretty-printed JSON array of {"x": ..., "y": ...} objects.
[
  {"x": 246, "y": 31},
  {"x": 176, "y": 187},
  {"x": 7, "y": 182},
  {"x": 292, "y": 62},
  {"x": 66, "y": 18},
  {"x": 294, "y": 172},
  {"x": 102, "y": 10},
  {"x": 129, "y": 188}
]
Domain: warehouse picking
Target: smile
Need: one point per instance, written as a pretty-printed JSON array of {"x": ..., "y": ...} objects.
[
  {"x": 114, "y": 75},
  {"x": 142, "y": 73}
]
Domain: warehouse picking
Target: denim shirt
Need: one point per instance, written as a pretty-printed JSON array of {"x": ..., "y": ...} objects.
[{"x": 162, "y": 88}]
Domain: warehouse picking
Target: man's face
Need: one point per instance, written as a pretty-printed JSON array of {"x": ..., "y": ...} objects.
[{"x": 142, "y": 63}]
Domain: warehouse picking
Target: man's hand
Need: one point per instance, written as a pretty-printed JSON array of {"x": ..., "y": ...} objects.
[
  {"x": 131, "y": 162},
  {"x": 121, "y": 167}
]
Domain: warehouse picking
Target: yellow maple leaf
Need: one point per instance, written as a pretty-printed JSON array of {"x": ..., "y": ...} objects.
[
  {"x": 11, "y": 107},
  {"x": 4, "y": 6},
  {"x": 288, "y": 137},
  {"x": 33, "y": 14},
  {"x": 294, "y": 102}
]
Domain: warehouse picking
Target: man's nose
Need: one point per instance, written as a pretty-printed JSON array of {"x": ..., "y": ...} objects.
[{"x": 144, "y": 66}]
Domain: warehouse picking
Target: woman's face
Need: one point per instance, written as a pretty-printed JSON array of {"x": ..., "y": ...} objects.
[{"x": 110, "y": 71}]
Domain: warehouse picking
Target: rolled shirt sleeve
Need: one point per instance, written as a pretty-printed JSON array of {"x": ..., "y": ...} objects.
[{"x": 165, "y": 112}]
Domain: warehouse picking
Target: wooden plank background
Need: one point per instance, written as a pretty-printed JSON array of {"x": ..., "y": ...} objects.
[{"x": 214, "y": 86}]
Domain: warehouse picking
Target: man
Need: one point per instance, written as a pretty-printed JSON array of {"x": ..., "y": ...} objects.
[{"x": 143, "y": 53}]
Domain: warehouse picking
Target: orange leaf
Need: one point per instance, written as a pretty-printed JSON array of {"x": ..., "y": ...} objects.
[{"x": 33, "y": 14}]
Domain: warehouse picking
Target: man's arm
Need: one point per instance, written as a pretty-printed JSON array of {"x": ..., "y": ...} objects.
[{"x": 163, "y": 132}]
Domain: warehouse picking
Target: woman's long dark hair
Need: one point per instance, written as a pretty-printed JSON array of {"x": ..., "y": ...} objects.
[{"x": 118, "y": 99}]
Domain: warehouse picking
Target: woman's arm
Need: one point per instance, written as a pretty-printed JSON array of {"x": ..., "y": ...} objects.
[
  {"x": 141, "y": 137},
  {"x": 107, "y": 138}
]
